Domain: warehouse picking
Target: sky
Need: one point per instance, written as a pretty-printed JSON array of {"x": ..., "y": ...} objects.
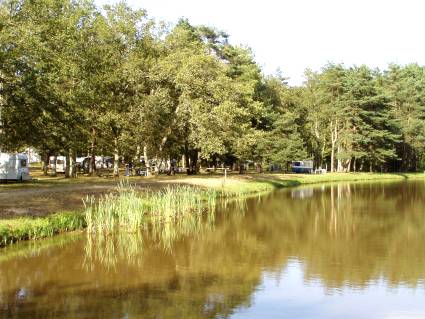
[{"x": 294, "y": 35}]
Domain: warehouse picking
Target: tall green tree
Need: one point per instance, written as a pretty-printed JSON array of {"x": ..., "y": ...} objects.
[{"x": 405, "y": 89}]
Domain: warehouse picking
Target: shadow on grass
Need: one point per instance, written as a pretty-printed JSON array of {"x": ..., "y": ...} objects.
[
  {"x": 406, "y": 175},
  {"x": 277, "y": 183}
]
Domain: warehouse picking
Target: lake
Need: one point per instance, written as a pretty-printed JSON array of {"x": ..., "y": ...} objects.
[{"x": 346, "y": 250}]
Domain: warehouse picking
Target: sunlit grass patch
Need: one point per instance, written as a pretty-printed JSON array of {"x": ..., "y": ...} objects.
[{"x": 35, "y": 228}]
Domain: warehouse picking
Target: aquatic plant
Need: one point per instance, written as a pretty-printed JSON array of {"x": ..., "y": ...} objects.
[{"x": 131, "y": 209}]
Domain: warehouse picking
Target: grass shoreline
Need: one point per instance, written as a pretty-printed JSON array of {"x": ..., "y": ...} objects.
[{"x": 26, "y": 228}]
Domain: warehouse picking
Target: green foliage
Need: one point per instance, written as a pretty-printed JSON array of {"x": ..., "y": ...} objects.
[
  {"x": 405, "y": 90},
  {"x": 282, "y": 141},
  {"x": 77, "y": 78},
  {"x": 352, "y": 120}
]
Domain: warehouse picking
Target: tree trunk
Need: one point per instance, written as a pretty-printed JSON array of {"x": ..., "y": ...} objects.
[
  {"x": 137, "y": 154},
  {"x": 168, "y": 164},
  {"x": 415, "y": 163},
  {"x": 137, "y": 160},
  {"x": 72, "y": 163},
  {"x": 53, "y": 170},
  {"x": 116, "y": 158},
  {"x": 67, "y": 166},
  {"x": 195, "y": 164},
  {"x": 187, "y": 159},
  {"x": 183, "y": 161},
  {"x": 45, "y": 164},
  {"x": 214, "y": 162},
  {"x": 348, "y": 165},
  {"x": 403, "y": 156},
  {"x": 146, "y": 159},
  {"x": 241, "y": 168},
  {"x": 322, "y": 153},
  {"x": 334, "y": 138},
  {"x": 92, "y": 169},
  {"x": 258, "y": 167},
  {"x": 339, "y": 160},
  {"x": 157, "y": 164}
]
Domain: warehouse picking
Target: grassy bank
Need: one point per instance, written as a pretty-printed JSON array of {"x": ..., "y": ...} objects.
[
  {"x": 176, "y": 198},
  {"x": 27, "y": 228},
  {"x": 248, "y": 184}
]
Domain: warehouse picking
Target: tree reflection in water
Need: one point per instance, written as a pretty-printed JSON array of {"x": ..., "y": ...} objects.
[{"x": 343, "y": 236}]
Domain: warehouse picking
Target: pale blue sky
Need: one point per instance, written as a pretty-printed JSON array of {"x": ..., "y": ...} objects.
[{"x": 298, "y": 34}]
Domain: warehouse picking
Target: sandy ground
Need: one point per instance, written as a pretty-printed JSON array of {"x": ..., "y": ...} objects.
[{"x": 42, "y": 199}]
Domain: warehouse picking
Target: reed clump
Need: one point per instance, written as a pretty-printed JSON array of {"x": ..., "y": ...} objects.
[{"x": 131, "y": 209}]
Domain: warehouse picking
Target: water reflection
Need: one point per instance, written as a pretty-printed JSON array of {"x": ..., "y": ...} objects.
[
  {"x": 302, "y": 193},
  {"x": 109, "y": 249},
  {"x": 262, "y": 257}
]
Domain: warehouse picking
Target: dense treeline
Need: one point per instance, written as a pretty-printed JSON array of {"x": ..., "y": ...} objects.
[{"x": 76, "y": 79}]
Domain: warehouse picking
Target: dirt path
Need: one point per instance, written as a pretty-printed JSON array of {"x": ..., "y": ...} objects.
[
  {"x": 41, "y": 201},
  {"x": 46, "y": 196}
]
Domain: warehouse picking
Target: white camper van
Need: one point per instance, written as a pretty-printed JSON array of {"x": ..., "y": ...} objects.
[
  {"x": 83, "y": 163},
  {"x": 14, "y": 167},
  {"x": 60, "y": 163}
]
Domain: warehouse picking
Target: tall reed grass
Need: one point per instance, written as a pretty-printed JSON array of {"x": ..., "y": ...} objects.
[{"x": 131, "y": 209}]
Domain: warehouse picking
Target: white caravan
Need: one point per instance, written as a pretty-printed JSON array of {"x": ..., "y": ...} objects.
[
  {"x": 100, "y": 162},
  {"x": 81, "y": 162},
  {"x": 14, "y": 167},
  {"x": 60, "y": 163}
]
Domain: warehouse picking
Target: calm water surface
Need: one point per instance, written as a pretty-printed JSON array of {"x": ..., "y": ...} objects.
[{"x": 334, "y": 251}]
